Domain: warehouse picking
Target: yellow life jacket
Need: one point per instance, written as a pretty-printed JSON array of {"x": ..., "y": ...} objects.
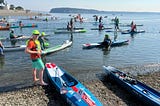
[{"x": 36, "y": 42}]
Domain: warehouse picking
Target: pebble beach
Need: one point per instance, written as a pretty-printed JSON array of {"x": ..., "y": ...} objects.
[{"x": 108, "y": 92}]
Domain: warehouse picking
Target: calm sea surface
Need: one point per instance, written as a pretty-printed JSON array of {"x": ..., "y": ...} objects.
[{"x": 143, "y": 49}]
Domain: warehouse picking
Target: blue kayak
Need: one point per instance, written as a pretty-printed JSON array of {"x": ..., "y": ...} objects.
[
  {"x": 71, "y": 89},
  {"x": 99, "y": 44},
  {"x": 145, "y": 93}
]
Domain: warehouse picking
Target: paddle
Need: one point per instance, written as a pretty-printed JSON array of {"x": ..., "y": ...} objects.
[{"x": 63, "y": 89}]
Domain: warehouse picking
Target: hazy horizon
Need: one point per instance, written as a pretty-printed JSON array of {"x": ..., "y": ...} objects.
[{"x": 103, "y": 5}]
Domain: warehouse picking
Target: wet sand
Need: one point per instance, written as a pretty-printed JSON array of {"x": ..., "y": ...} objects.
[{"x": 108, "y": 92}]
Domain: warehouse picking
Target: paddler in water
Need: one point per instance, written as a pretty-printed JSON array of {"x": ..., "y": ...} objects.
[
  {"x": 34, "y": 49},
  {"x": 107, "y": 42}
]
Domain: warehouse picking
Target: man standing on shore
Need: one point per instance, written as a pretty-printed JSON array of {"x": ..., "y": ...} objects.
[{"x": 34, "y": 49}]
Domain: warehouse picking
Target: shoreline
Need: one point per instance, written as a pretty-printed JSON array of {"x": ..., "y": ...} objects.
[
  {"x": 109, "y": 93},
  {"x": 21, "y": 13}
]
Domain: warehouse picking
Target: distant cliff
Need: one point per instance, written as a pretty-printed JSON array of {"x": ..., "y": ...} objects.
[{"x": 74, "y": 10}]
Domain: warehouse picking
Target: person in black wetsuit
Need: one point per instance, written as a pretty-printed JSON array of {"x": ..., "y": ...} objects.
[{"x": 107, "y": 41}]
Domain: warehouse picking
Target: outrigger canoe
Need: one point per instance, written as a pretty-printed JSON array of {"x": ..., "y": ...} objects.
[
  {"x": 130, "y": 32},
  {"x": 70, "y": 89},
  {"x": 99, "y": 44},
  {"x": 14, "y": 48},
  {"x": 66, "y": 44},
  {"x": 145, "y": 93},
  {"x": 74, "y": 31}
]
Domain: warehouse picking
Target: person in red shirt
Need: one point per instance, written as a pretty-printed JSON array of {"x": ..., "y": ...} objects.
[
  {"x": 101, "y": 26},
  {"x": 133, "y": 28},
  {"x": 34, "y": 49}
]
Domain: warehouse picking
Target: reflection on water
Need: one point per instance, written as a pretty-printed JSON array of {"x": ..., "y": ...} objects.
[
  {"x": 2, "y": 61},
  {"x": 106, "y": 51}
]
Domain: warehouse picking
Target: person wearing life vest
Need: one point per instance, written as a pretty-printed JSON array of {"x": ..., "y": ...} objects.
[
  {"x": 34, "y": 49},
  {"x": 41, "y": 39},
  {"x": 107, "y": 41}
]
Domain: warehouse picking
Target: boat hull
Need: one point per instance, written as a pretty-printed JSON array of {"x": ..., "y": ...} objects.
[
  {"x": 66, "y": 44},
  {"x": 70, "y": 89},
  {"x": 14, "y": 48},
  {"x": 138, "y": 89},
  {"x": 136, "y": 32},
  {"x": 98, "y": 45},
  {"x": 66, "y": 32}
]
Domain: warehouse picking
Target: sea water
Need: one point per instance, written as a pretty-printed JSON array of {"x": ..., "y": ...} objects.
[{"x": 143, "y": 48}]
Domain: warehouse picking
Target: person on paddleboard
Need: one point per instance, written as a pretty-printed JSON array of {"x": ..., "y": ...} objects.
[
  {"x": 68, "y": 26},
  {"x": 71, "y": 24},
  {"x": 12, "y": 37},
  {"x": 101, "y": 26},
  {"x": 116, "y": 22},
  {"x": 34, "y": 49},
  {"x": 134, "y": 28},
  {"x": 107, "y": 41},
  {"x": 1, "y": 48}
]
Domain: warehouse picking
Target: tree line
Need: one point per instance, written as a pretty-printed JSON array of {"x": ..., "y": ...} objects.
[{"x": 12, "y": 7}]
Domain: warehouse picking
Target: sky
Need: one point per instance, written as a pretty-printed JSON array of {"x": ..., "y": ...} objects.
[{"x": 106, "y": 5}]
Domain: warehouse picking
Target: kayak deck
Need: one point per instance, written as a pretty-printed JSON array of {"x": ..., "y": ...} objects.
[
  {"x": 145, "y": 93},
  {"x": 56, "y": 48},
  {"x": 70, "y": 89}
]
